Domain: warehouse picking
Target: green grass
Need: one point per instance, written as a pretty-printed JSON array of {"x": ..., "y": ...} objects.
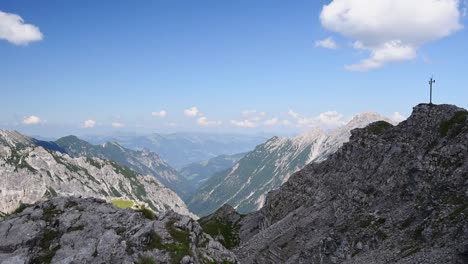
[
  {"x": 147, "y": 213},
  {"x": 177, "y": 249},
  {"x": 379, "y": 127},
  {"x": 20, "y": 208},
  {"x": 123, "y": 204},
  {"x": 226, "y": 230},
  {"x": 145, "y": 260},
  {"x": 455, "y": 124}
]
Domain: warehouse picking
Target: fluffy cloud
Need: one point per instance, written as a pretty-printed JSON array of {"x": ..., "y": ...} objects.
[
  {"x": 14, "y": 30},
  {"x": 117, "y": 124},
  {"x": 243, "y": 123},
  {"x": 32, "y": 120},
  {"x": 161, "y": 114},
  {"x": 203, "y": 121},
  {"x": 397, "y": 117},
  {"x": 253, "y": 115},
  {"x": 391, "y": 30},
  {"x": 89, "y": 123},
  {"x": 327, "y": 43},
  {"x": 271, "y": 122},
  {"x": 327, "y": 119},
  {"x": 191, "y": 112}
]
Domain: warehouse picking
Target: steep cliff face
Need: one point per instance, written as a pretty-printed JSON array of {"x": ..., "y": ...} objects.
[
  {"x": 29, "y": 173},
  {"x": 392, "y": 194},
  {"x": 73, "y": 230}
]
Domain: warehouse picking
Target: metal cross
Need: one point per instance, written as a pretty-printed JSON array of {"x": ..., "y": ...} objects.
[{"x": 431, "y": 82}]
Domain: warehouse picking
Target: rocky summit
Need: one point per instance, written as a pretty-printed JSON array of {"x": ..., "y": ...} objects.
[
  {"x": 72, "y": 230},
  {"x": 392, "y": 194}
]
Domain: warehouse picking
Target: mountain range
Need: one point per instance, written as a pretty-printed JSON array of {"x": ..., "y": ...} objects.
[
  {"x": 269, "y": 165},
  {"x": 141, "y": 161},
  {"x": 31, "y": 171},
  {"x": 182, "y": 149}
]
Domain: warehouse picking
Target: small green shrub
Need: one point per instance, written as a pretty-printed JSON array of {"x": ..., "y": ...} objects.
[
  {"x": 147, "y": 213},
  {"x": 379, "y": 127},
  {"x": 454, "y": 123},
  {"x": 145, "y": 260}
]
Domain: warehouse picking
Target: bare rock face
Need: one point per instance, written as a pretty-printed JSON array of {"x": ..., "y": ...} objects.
[
  {"x": 73, "y": 230},
  {"x": 392, "y": 194}
]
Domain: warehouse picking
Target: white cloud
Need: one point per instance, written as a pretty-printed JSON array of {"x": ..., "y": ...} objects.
[
  {"x": 191, "y": 112},
  {"x": 391, "y": 30},
  {"x": 397, "y": 117},
  {"x": 14, "y": 30},
  {"x": 326, "y": 119},
  {"x": 117, "y": 124},
  {"x": 327, "y": 43},
  {"x": 32, "y": 120},
  {"x": 89, "y": 123},
  {"x": 253, "y": 115},
  {"x": 161, "y": 114},
  {"x": 271, "y": 122},
  {"x": 203, "y": 121},
  {"x": 243, "y": 123}
]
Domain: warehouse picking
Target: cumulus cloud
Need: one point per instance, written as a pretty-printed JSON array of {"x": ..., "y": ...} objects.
[
  {"x": 397, "y": 117},
  {"x": 391, "y": 30},
  {"x": 191, "y": 112},
  {"x": 327, "y": 119},
  {"x": 253, "y": 115},
  {"x": 327, "y": 43},
  {"x": 14, "y": 30},
  {"x": 160, "y": 114},
  {"x": 117, "y": 124},
  {"x": 203, "y": 121},
  {"x": 32, "y": 120},
  {"x": 89, "y": 123},
  {"x": 243, "y": 123},
  {"x": 271, "y": 122}
]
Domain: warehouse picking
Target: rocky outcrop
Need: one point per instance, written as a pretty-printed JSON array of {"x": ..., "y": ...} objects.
[
  {"x": 392, "y": 194},
  {"x": 72, "y": 230},
  {"x": 29, "y": 173}
]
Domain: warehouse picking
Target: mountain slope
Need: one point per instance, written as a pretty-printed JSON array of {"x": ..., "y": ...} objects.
[
  {"x": 29, "y": 173},
  {"x": 199, "y": 172},
  {"x": 144, "y": 162},
  {"x": 182, "y": 149},
  {"x": 267, "y": 167},
  {"x": 72, "y": 230},
  {"x": 389, "y": 195}
]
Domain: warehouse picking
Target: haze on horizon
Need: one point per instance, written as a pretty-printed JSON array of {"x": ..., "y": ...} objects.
[{"x": 243, "y": 67}]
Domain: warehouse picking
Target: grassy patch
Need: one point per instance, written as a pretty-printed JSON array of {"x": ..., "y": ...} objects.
[
  {"x": 147, "y": 213},
  {"x": 76, "y": 228},
  {"x": 379, "y": 127},
  {"x": 123, "y": 204},
  {"x": 177, "y": 249},
  {"x": 455, "y": 124},
  {"x": 47, "y": 253},
  {"x": 227, "y": 230}
]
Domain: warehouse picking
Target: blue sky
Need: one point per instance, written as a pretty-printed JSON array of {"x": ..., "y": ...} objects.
[{"x": 238, "y": 66}]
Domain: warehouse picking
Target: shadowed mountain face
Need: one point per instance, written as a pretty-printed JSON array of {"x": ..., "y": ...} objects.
[
  {"x": 392, "y": 194},
  {"x": 245, "y": 185},
  {"x": 144, "y": 161},
  {"x": 182, "y": 149}
]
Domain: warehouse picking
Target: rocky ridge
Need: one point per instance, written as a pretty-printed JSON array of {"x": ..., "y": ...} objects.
[
  {"x": 72, "y": 230},
  {"x": 392, "y": 194}
]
